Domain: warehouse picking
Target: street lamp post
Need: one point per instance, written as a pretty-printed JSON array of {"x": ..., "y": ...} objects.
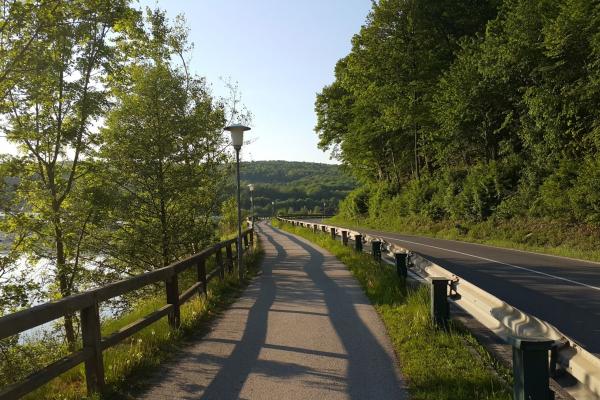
[
  {"x": 251, "y": 187},
  {"x": 237, "y": 139},
  {"x": 273, "y": 211}
]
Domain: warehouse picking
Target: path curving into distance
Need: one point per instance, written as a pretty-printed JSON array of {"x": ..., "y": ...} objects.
[
  {"x": 562, "y": 291},
  {"x": 303, "y": 329}
]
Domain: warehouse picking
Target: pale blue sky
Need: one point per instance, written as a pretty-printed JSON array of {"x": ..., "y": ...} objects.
[{"x": 280, "y": 52}]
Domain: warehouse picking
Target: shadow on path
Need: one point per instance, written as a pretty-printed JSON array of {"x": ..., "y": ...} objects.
[
  {"x": 371, "y": 372},
  {"x": 228, "y": 383}
]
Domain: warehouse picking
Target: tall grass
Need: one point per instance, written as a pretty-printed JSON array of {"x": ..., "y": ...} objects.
[
  {"x": 129, "y": 362},
  {"x": 437, "y": 364}
]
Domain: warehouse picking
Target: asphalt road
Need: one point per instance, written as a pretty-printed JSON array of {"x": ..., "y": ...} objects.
[
  {"x": 303, "y": 329},
  {"x": 559, "y": 290}
]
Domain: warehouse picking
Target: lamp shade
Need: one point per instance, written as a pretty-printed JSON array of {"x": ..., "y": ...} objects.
[{"x": 237, "y": 134}]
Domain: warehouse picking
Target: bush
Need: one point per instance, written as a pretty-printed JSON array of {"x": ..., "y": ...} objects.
[{"x": 356, "y": 205}]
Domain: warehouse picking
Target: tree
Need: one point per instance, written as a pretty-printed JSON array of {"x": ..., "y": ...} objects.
[
  {"x": 50, "y": 108},
  {"x": 163, "y": 154}
]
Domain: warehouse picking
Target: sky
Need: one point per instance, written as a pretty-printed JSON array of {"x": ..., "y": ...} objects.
[{"x": 280, "y": 53}]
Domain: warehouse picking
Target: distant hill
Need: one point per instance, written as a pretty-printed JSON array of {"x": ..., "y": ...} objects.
[{"x": 295, "y": 186}]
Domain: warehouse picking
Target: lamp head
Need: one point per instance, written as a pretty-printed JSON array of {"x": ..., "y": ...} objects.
[
  {"x": 251, "y": 187},
  {"x": 237, "y": 134}
]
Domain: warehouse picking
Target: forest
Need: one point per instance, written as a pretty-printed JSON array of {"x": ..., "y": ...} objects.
[
  {"x": 287, "y": 187},
  {"x": 470, "y": 112}
]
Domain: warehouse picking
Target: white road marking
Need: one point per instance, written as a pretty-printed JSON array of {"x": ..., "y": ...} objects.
[{"x": 497, "y": 262}]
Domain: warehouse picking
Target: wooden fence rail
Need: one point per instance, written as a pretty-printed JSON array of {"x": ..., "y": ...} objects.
[{"x": 87, "y": 304}]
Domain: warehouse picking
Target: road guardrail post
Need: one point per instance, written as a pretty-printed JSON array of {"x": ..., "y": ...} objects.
[
  {"x": 332, "y": 231},
  {"x": 314, "y": 228},
  {"x": 323, "y": 228},
  {"x": 530, "y": 368},
  {"x": 401, "y": 267},
  {"x": 358, "y": 243},
  {"x": 345, "y": 238},
  {"x": 440, "y": 309},
  {"x": 376, "y": 250}
]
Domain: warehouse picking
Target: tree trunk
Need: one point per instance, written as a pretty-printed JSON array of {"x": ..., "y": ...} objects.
[{"x": 63, "y": 281}]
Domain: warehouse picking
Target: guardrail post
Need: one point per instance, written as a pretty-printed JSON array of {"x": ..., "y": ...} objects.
[
  {"x": 401, "y": 267},
  {"x": 314, "y": 228},
  {"x": 345, "y": 238},
  {"x": 91, "y": 336},
  {"x": 531, "y": 369},
  {"x": 332, "y": 231},
  {"x": 202, "y": 275},
  {"x": 172, "y": 286},
  {"x": 229, "y": 257},
  {"x": 440, "y": 309},
  {"x": 358, "y": 245},
  {"x": 376, "y": 250},
  {"x": 323, "y": 228},
  {"x": 219, "y": 262}
]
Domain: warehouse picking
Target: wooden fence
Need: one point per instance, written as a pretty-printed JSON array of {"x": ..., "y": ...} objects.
[{"x": 87, "y": 303}]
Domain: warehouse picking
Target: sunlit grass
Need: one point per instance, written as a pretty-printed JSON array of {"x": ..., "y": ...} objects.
[
  {"x": 136, "y": 357},
  {"x": 436, "y": 364}
]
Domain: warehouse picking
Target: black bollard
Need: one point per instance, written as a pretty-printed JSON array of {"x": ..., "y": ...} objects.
[
  {"x": 358, "y": 243},
  {"x": 401, "y": 264},
  {"x": 376, "y": 250},
  {"x": 440, "y": 309},
  {"x": 531, "y": 369}
]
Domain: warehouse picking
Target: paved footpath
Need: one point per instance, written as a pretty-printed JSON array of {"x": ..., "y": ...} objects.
[{"x": 303, "y": 329}]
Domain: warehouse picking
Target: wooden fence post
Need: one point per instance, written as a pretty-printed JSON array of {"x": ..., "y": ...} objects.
[
  {"x": 91, "y": 336},
  {"x": 229, "y": 257},
  {"x": 219, "y": 262},
  {"x": 202, "y": 275},
  {"x": 172, "y": 287}
]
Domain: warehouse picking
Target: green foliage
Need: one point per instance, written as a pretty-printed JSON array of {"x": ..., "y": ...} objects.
[
  {"x": 162, "y": 156},
  {"x": 294, "y": 187},
  {"x": 493, "y": 114}
]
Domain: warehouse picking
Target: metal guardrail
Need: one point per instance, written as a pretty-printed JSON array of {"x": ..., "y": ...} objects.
[
  {"x": 87, "y": 303},
  {"x": 504, "y": 320}
]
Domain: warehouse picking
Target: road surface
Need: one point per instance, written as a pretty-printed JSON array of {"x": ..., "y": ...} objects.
[
  {"x": 302, "y": 330},
  {"x": 559, "y": 290}
]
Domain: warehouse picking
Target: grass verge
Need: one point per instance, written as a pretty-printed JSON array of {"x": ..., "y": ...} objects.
[
  {"x": 541, "y": 236},
  {"x": 127, "y": 364},
  {"x": 436, "y": 364}
]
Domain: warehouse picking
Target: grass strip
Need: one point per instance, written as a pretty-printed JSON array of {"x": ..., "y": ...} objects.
[
  {"x": 127, "y": 364},
  {"x": 436, "y": 364}
]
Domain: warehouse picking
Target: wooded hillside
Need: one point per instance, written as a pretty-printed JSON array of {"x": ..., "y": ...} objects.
[
  {"x": 295, "y": 187},
  {"x": 470, "y": 110}
]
